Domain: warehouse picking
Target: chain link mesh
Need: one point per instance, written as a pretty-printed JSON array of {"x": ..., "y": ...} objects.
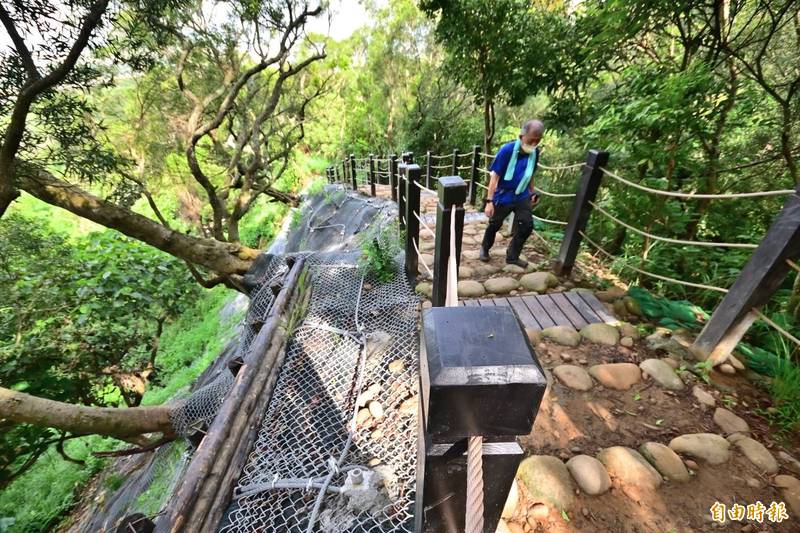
[{"x": 306, "y": 423}]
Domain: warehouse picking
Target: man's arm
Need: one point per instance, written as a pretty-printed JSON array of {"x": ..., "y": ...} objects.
[{"x": 494, "y": 179}]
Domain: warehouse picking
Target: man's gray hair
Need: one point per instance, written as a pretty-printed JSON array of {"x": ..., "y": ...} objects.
[{"x": 532, "y": 126}]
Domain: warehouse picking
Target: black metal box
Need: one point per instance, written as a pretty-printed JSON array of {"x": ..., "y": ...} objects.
[{"x": 478, "y": 373}]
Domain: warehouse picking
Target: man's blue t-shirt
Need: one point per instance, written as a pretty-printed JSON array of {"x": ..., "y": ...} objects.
[{"x": 505, "y": 192}]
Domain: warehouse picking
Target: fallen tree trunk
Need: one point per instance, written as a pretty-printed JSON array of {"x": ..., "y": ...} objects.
[{"x": 119, "y": 423}]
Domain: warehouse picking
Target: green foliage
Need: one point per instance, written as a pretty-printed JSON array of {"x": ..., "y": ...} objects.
[
  {"x": 379, "y": 248},
  {"x": 84, "y": 314},
  {"x": 36, "y": 501}
]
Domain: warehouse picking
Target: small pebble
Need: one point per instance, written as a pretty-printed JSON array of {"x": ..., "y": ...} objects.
[
  {"x": 374, "y": 461},
  {"x": 753, "y": 482},
  {"x": 690, "y": 464},
  {"x": 585, "y": 511},
  {"x": 725, "y": 368}
]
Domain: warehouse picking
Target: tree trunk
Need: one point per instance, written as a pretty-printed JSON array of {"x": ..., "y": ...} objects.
[
  {"x": 488, "y": 124},
  {"x": 222, "y": 257},
  {"x": 122, "y": 424}
]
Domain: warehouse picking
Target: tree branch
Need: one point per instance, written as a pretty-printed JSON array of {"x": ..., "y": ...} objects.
[{"x": 19, "y": 45}]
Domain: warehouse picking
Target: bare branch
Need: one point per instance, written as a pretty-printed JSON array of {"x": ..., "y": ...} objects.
[{"x": 19, "y": 45}]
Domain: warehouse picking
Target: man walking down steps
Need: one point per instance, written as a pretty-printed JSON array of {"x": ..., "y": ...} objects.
[{"x": 511, "y": 191}]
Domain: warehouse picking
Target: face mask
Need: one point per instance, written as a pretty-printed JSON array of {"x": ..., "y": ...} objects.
[{"x": 527, "y": 148}]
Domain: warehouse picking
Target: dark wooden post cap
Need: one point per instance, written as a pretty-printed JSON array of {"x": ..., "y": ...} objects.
[
  {"x": 452, "y": 191},
  {"x": 479, "y": 374}
]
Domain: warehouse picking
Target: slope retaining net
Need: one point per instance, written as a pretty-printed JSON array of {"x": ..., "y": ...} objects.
[{"x": 337, "y": 447}]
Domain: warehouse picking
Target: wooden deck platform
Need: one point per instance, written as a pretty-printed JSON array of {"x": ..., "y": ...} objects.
[{"x": 575, "y": 309}]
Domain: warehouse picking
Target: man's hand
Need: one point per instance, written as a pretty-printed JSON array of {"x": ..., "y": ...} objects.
[{"x": 489, "y": 209}]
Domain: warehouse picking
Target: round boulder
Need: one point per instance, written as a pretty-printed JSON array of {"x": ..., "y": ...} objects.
[
  {"x": 573, "y": 377},
  {"x": 424, "y": 288},
  {"x": 601, "y": 334},
  {"x": 619, "y": 376},
  {"x": 470, "y": 289},
  {"x": 564, "y": 335},
  {"x": 729, "y": 422},
  {"x": 662, "y": 373},
  {"x": 539, "y": 281},
  {"x": 589, "y": 474},
  {"x": 501, "y": 285},
  {"x": 629, "y": 467},
  {"x": 709, "y": 447},
  {"x": 758, "y": 455},
  {"x": 547, "y": 480},
  {"x": 665, "y": 461}
]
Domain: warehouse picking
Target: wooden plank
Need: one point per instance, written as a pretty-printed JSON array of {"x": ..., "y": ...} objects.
[
  {"x": 501, "y": 302},
  {"x": 538, "y": 311},
  {"x": 552, "y": 309},
  {"x": 486, "y": 302},
  {"x": 598, "y": 307},
  {"x": 572, "y": 314},
  {"x": 470, "y": 303},
  {"x": 583, "y": 308},
  {"x": 524, "y": 314}
]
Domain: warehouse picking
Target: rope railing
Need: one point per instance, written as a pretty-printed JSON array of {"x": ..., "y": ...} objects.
[
  {"x": 548, "y": 221},
  {"x": 446, "y": 156},
  {"x": 555, "y": 194},
  {"x": 777, "y": 327},
  {"x": 468, "y": 167},
  {"x": 698, "y": 196},
  {"x": 794, "y": 266},
  {"x": 482, "y": 154},
  {"x": 419, "y": 259},
  {"x": 425, "y": 226},
  {"x": 668, "y": 239},
  {"x": 481, "y": 185},
  {"x": 562, "y": 167},
  {"x": 651, "y": 274},
  {"x": 441, "y": 167},
  {"x": 422, "y": 187}
]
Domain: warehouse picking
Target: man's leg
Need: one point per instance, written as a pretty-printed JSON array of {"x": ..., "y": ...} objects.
[
  {"x": 523, "y": 226},
  {"x": 495, "y": 223}
]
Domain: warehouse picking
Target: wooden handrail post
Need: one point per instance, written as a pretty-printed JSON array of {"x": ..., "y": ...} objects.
[
  {"x": 353, "y": 173},
  {"x": 428, "y": 164},
  {"x": 473, "y": 177},
  {"x": 393, "y": 176},
  {"x": 761, "y": 276},
  {"x": 473, "y": 382},
  {"x": 455, "y": 172},
  {"x": 408, "y": 158},
  {"x": 581, "y": 209},
  {"x": 372, "y": 174},
  {"x": 344, "y": 171},
  {"x": 452, "y": 195},
  {"x": 401, "y": 195},
  {"x": 413, "y": 174}
]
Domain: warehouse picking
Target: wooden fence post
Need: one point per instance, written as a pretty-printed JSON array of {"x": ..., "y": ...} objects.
[
  {"x": 413, "y": 174},
  {"x": 428, "y": 163},
  {"x": 455, "y": 171},
  {"x": 401, "y": 195},
  {"x": 452, "y": 195},
  {"x": 474, "y": 382},
  {"x": 372, "y": 174},
  {"x": 353, "y": 173},
  {"x": 473, "y": 178},
  {"x": 393, "y": 176},
  {"x": 408, "y": 158},
  {"x": 581, "y": 209},
  {"x": 344, "y": 171},
  {"x": 761, "y": 276}
]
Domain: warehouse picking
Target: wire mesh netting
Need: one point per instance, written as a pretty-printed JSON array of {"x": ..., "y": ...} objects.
[
  {"x": 356, "y": 346},
  {"x": 202, "y": 405}
]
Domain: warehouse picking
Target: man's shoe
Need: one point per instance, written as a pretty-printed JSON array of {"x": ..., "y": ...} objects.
[
  {"x": 483, "y": 256},
  {"x": 518, "y": 261}
]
